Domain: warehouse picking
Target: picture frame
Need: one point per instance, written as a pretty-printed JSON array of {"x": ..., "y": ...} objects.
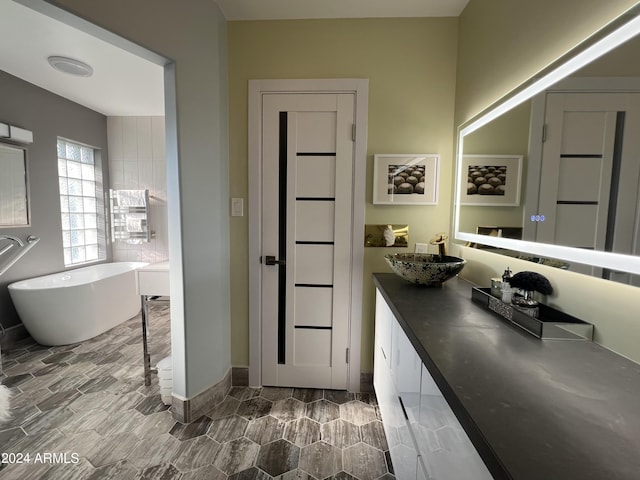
[
  {"x": 390, "y": 169},
  {"x": 491, "y": 180}
]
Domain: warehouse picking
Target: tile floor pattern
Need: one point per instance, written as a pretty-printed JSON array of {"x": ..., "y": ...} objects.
[{"x": 89, "y": 401}]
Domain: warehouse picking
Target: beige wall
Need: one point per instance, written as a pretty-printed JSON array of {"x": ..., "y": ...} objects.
[
  {"x": 410, "y": 64},
  {"x": 502, "y": 43}
]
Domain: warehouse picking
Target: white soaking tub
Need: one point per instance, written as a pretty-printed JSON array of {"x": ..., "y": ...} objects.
[{"x": 73, "y": 306}]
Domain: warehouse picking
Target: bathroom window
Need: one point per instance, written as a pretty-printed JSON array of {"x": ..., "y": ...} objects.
[{"x": 81, "y": 204}]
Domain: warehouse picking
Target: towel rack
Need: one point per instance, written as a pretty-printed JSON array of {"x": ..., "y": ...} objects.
[{"x": 130, "y": 215}]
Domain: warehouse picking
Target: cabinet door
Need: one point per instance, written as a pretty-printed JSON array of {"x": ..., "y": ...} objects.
[
  {"x": 406, "y": 372},
  {"x": 384, "y": 320},
  {"x": 445, "y": 450},
  {"x": 396, "y": 427}
]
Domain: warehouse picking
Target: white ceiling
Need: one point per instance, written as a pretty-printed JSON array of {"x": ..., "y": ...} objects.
[{"x": 124, "y": 84}]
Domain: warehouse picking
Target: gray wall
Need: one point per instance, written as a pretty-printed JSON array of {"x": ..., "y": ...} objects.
[
  {"x": 193, "y": 33},
  {"x": 48, "y": 116}
]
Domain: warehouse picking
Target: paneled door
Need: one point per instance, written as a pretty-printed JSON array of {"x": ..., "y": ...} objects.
[
  {"x": 590, "y": 173},
  {"x": 307, "y": 178}
]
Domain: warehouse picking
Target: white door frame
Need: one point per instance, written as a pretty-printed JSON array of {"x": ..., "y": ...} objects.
[{"x": 257, "y": 88}]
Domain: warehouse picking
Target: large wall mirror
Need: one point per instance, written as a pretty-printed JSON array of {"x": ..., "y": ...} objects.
[
  {"x": 552, "y": 171},
  {"x": 14, "y": 187}
]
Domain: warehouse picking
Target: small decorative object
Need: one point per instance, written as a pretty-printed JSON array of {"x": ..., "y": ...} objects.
[
  {"x": 5, "y": 396},
  {"x": 507, "y": 291},
  {"x": 530, "y": 282},
  {"x": 389, "y": 236},
  {"x": 406, "y": 179},
  {"x": 496, "y": 287},
  {"x": 490, "y": 180}
]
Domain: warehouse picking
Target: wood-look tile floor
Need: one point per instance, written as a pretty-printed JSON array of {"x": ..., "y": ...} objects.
[{"x": 83, "y": 412}]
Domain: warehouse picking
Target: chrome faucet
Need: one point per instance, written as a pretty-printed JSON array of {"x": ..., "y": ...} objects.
[
  {"x": 31, "y": 242},
  {"x": 14, "y": 239}
]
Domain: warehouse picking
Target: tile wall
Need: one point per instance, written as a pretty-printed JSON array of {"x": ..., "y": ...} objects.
[{"x": 137, "y": 161}]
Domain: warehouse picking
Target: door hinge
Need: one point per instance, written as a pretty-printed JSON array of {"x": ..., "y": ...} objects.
[
  {"x": 353, "y": 132},
  {"x": 544, "y": 133},
  {"x": 347, "y": 356}
]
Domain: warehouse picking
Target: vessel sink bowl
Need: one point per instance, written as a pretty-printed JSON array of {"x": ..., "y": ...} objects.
[{"x": 425, "y": 269}]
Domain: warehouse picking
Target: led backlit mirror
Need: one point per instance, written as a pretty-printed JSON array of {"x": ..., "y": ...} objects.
[{"x": 552, "y": 170}]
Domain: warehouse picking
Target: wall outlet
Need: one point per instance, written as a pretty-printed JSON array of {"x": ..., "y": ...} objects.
[{"x": 421, "y": 248}]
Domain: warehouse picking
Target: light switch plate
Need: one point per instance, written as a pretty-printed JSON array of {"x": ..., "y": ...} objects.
[{"x": 237, "y": 207}]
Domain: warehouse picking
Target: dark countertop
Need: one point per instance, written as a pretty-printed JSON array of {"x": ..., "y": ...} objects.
[{"x": 534, "y": 409}]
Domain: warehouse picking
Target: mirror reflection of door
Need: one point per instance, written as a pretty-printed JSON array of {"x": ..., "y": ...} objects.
[{"x": 589, "y": 173}]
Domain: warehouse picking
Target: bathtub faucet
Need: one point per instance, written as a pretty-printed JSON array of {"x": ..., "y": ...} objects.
[
  {"x": 13, "y": 239},
  {"x": 31, "y": 242}
]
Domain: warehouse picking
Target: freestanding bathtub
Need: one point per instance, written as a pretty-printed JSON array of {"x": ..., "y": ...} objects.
[{"x": 73, "y": 306}]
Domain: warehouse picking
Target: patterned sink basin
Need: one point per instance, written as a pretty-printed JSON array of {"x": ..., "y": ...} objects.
[{"x": 425, "y": 269}]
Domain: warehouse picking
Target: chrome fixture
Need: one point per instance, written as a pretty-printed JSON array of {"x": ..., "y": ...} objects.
[
  {"x": 13, "y": 239},
  {"x": 24, "y": 248}
]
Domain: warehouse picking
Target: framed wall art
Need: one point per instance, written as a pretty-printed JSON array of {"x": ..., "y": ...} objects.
[
  {"x": 491, "y": 180},
  {"x": 404, "y": 179}
]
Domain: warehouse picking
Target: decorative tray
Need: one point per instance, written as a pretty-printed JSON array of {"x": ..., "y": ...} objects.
[{"x": 551, "y": 324}]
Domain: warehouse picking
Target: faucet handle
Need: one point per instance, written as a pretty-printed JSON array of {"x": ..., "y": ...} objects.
[{"x": 438, "y": 238}]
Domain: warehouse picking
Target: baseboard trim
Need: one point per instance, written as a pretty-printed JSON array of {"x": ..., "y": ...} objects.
[
  {"x": 240, "y": 376},
  {"x": 366, "y": 382},
  {"x": 186, "y": 410}
]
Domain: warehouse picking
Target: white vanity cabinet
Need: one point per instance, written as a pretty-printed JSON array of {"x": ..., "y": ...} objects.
[
  {"x": 388, "y": 373},
  {"x": 445, "y": 448},
  {"x": 426, "y": 441}
]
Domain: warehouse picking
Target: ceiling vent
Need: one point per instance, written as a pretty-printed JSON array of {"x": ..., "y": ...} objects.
[{"x": 70, "y": 66}]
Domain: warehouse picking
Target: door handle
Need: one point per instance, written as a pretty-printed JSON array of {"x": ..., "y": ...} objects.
[{"x": 271, "y": 260}]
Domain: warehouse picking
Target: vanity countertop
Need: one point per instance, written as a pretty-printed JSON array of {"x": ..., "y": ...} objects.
[{"x": 534, "y": 409}]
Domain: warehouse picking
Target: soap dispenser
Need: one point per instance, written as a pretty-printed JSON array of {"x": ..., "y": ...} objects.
[{"x": 507, "y": 291}]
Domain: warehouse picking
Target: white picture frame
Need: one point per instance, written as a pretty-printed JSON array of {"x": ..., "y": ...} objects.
[
  {"x": 477, "y": 188},
  {"x": 389, "y": 190}
]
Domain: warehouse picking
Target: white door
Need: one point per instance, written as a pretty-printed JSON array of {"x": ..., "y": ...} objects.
[
  {"x": 590, "y": 172},
  {"x": 308, "y": 163}
]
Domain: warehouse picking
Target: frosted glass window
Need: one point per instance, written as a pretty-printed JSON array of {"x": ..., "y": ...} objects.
[{"x": 81, "y": 206}]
